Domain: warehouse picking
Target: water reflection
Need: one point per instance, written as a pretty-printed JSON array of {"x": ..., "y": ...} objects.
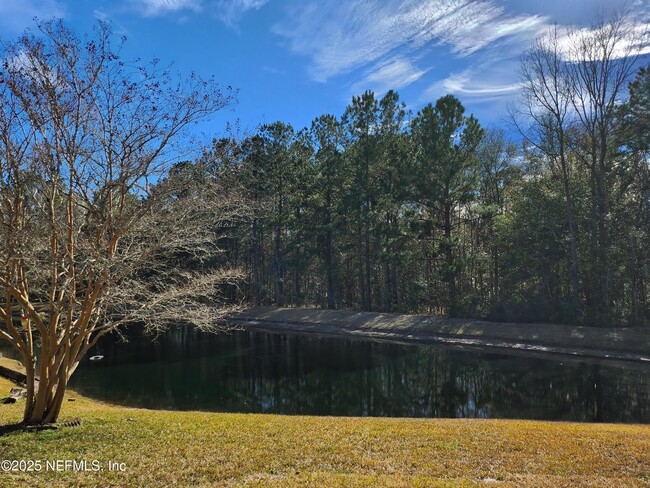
[{"x": 250, "y": 371}]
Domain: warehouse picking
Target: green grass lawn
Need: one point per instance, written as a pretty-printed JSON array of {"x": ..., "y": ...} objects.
[{"x": 163, "y": 448}]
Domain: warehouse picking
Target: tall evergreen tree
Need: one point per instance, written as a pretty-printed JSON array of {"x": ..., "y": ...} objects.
[
  {"x": 393, "y": 171},
  {"x": 277, "y": 139},
  {"x": 326, "y": 134},
  {"x": 446, "y": 142},
  {"x": 361, "y": 121}
]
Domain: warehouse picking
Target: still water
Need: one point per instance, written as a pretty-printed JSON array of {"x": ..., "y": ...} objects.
[{"x": 248, "y": 371}]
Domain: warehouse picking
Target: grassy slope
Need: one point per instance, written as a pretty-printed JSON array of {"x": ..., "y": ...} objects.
[{"x": 162, "y": 448}]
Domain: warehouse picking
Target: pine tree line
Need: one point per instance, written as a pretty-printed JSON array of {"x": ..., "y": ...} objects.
[{"x": 381, "y": 210}]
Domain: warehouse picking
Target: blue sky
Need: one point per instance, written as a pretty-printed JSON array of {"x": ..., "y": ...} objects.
[{"x": 293, "y": 60}]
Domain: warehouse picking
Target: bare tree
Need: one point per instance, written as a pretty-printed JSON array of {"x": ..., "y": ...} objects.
[
  {"x": 89, "y": 228},
  {"x": 572, "y": 83},
  {"x": 600, "y": 63},
  {"x": 547, "y": 103}
]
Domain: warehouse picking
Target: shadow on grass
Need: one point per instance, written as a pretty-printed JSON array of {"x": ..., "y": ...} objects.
[{"x": 11, "y": 428}]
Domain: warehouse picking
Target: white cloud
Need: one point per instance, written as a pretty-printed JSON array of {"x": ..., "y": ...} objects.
[
  {"x": 467, "y": 85},
  {"x": 153, "y": 8},
  {"x": 392, "y": 74},
  {"x": 468, "y": 26},
  {"x": 386, "y": 44},
  {"x": 230, "y": 11},
  {"x": 486, "y": 82},
  {"x": 101, "y": 15},
  {"x": 24, "y": 65},
  {"x": 340, "y": 37},
  {"x": 634, "y": 39}
]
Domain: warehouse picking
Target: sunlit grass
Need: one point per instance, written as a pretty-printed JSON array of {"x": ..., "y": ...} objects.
[{"x": 163, "y": 448}]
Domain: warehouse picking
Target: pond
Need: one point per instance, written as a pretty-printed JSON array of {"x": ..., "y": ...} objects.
[{"x": 254, "y": 371}]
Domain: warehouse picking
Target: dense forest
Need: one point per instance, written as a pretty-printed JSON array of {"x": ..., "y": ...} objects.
[{"x": 380, "y": 209}]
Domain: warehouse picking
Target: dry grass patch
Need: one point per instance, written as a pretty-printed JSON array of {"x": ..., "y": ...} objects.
[{"x": 163, "y": 448}]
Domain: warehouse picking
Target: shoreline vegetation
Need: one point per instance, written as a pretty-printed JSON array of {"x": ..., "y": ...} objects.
[
  {"x": 165, "y": 448},
  {"x": 629, "y": 344}
]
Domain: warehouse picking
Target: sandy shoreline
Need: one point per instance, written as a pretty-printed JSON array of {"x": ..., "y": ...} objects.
[{"x": 627, "y": 344}]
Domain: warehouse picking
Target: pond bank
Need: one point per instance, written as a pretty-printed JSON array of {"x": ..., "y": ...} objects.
[{"x": 627, "y": 344}]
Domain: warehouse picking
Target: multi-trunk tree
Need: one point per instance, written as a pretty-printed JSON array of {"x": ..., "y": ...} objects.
[{"x": 87, "y": 224}]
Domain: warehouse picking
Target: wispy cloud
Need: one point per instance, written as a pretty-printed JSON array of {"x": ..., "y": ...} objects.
[
  {"x": 633, "y": 39},
  {"x": 477, "y": 84},
  {"x": 230, "y": 11},
  {"x": 467, "y": 26},
  {"x": 153, "y": 8},
  {"x": 394, "y": 74},
  {"x": 101, "y": 15},
  {"x": 340, "y": 37},
  {"x": 273, "y": 71},
  {"x": 227, "y": 11},
  {"x": 15, "y": 16}
]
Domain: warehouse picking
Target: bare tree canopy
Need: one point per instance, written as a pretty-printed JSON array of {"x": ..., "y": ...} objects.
[
  {"x": 573, "y": 82},
  {"x": 86, "y": 213}
]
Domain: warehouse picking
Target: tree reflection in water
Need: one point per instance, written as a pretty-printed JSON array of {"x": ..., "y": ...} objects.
[{"x": 248, "y": 371}]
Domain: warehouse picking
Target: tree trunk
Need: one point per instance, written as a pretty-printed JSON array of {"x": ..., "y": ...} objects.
[
  {"x": 279, "y": 296},
  {"x": 296, "y": 280},
  {"x": 386, "y": 293},
  {"x": 603, "y": 242},
  {"x": 331, "y": 303},
  {"x": 256, "y": 263},
  {"x": 31, "y": 389},
  {"x": 574, "y": 271},
  {"x": 368, "y": 304},
  {"x": 450, "y": 273},
  {"x": 329, "y": 261},
  {"x": 362, "y": 287},
  {"x": 44, "y": 400}
]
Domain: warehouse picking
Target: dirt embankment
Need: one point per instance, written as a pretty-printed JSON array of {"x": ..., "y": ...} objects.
[{"x": 630, "y": 344}]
